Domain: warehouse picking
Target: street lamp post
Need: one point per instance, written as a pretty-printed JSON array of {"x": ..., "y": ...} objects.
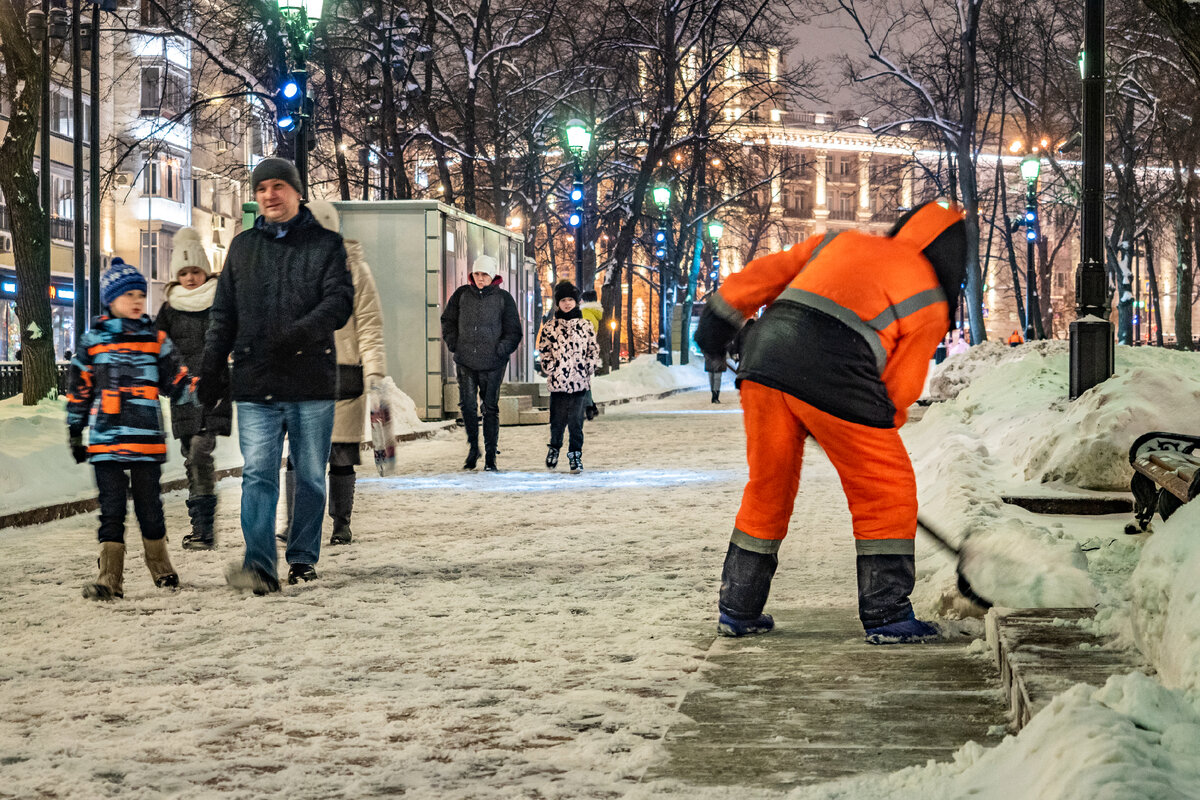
[
  {"x": 1091, "y": 351},
  {"x": 579, "y": 138},
  {"x": 300, "y": 17},
  {"x": 662, "y": 252},
  {"x": 715, "y": 229},
  {"x": 1031, "y": 166}
]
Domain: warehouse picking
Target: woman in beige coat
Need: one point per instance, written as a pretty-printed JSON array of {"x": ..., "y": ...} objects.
[{"x": 361, "y": 364}]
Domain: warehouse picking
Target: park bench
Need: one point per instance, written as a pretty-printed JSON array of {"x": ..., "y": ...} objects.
[{"x": 1166, "y": 474}]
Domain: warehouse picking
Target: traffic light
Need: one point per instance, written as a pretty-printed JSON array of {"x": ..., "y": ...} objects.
[
  {"x": 574, "y": 219},
  {"x": 577, "y": 193},
  {"x": 660, "y": 243},
  {"x": 291, "y": 99}
]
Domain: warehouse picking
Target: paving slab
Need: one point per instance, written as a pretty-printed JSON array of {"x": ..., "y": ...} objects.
[
  {"x": 812, "y": 702},
  {"x": 1042, "y": 652}
]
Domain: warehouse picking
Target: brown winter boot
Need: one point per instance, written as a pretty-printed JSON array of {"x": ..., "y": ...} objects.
[
  {"x": 159, "y": 563},
  {"x": 110, "y": 583}
]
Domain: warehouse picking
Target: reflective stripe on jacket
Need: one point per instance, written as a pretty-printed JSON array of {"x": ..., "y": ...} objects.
[{"x": 852, "y": 322}]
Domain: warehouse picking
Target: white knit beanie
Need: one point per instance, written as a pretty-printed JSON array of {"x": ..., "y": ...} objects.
[{"x": 188, "y": 252}]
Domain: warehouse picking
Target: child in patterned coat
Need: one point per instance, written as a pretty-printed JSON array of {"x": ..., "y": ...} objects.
[
  {"x": 122, "y": 365},
  {"x": 569, "y": 353}
]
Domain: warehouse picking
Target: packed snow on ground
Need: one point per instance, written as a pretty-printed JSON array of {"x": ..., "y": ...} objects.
[{"x": 530, "y": 634}]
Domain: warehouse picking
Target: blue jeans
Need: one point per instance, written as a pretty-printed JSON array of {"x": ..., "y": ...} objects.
[{"x": 261, "y": 426}]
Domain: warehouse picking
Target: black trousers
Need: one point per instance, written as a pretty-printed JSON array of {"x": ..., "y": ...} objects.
[
  {"x": 486, "y": 385},
  {"x": 114, "y": 485},
  {"x": 566, "y": 411}
]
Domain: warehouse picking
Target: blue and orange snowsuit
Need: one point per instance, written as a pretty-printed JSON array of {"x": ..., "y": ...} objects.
[{"x": 839, "y": 354}]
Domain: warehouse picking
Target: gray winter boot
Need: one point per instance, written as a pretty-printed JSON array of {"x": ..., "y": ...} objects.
[
  {"x": 289, "y": 500},
  {"x": 110, "y": 583},
  {"x": 159, "y": 563},
  {"x": 341, "y": 504}
]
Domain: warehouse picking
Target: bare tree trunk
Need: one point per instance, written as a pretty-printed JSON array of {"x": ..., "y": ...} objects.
[
  {"x": 1155, "y": 306},
  {"x": 19, "y": 184}
]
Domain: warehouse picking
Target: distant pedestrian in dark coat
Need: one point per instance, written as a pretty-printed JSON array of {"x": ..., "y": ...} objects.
[
  {"x": 481, "y": 327},
  {"x": 184, "y": 317}
]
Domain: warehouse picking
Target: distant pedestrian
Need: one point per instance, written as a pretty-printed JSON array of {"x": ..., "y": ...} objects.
[
  {"x": 283, "y": 292},
  {"x": 1015, "y": 338},
  {"x": 122, "y": 365},
  {"x": 482, "y": 329},
  {"x": 362, "y": 364},
  {"x": 569, "y": 355},
  {"x": 184, "y": 318}
]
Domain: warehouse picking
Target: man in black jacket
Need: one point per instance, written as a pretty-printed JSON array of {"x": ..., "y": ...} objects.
[
  {"x": 482, "y": 329},
  {"x": 285, "y": 289}
]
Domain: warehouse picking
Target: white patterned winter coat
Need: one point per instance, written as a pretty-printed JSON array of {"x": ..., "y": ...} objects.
[{"x": 569, "y": 353}]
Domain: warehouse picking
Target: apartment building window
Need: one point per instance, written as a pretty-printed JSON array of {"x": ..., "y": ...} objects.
[
  {"x": 62, "y": 116},
  {"x": 163, "y": 177},
  {"x": 62, "y": 196},
  {"x": 164, "y": 91},
  {"x": 156, "y": 252},
  {"x": 152, "y": 17}
]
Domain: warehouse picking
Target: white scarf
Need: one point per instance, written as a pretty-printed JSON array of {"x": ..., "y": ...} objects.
[{"x": 198, "y": 299}]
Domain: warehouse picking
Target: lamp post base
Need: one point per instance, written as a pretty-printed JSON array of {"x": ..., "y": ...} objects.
[{"x": 1091, "y": 354}]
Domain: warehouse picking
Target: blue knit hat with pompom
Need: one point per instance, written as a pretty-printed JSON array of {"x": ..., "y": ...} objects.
[{"x": 118, "y": 279}]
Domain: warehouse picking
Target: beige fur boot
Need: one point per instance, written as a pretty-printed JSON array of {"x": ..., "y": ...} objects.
[
  {"x": 159, "y": 563},
  {"x": 110, "y": 583}
]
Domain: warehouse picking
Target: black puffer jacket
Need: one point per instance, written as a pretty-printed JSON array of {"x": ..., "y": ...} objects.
[
  {"x": 279, "y": 300},
  {"x": 186, "y": 331},
  {"x": 481, "y": 327}
]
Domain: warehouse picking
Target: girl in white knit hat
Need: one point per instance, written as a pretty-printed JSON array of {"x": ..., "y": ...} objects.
[{"x": 184, "y": 318}]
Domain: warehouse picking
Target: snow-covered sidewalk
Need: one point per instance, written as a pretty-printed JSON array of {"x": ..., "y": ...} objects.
[{"x": 526, "y": 634}]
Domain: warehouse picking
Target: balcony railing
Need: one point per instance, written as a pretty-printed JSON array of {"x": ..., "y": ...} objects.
[
  {"x": 64, "y": 230},
  {"x": 843, "y": 216}
]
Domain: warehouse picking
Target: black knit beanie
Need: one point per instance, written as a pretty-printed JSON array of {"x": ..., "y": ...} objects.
[
  {"x": 565, "y": 289},
  {"x": 276, "y": 169}
]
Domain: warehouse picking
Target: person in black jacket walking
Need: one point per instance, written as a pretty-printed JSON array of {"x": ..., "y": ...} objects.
[
  {"x": 285, "y": 289},
  {"x": 184, "y": 318},
  {"x": 481, "y": 327}
]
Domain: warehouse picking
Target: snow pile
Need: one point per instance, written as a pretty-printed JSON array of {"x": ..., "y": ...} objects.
[
  {"x": 1009, "y": 429},
  {"x": 958, "y": 371},
  {"x": 1166, "y": 599},
  {"x": 644, "y": 376},
  {"x": 1130, "y": 739},
  {"x": 1015, "y": 566}
]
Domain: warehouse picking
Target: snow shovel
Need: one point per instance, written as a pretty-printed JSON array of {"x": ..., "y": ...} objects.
[{"x": 964, "y": 585}]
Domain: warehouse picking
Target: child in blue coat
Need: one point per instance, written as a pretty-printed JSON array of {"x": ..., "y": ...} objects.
[{"x": 122, "y": 364}]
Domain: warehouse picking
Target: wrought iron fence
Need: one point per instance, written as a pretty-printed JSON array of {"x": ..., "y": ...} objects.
[{"x": 10, "y": 378}]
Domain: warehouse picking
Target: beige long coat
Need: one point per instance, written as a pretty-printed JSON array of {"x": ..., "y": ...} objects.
[{"x": 360, "y": 341}]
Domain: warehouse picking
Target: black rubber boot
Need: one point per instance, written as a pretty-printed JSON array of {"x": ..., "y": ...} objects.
[
  {"x": 341, "y": 504},
  {"x": 202, "y": 510},
  {"x": 746, "y": 582},
  {"x": 884, "y": 584}
]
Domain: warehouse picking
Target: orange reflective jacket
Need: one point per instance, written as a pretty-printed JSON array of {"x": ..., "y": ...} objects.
[{"x": 853, "y": 319}]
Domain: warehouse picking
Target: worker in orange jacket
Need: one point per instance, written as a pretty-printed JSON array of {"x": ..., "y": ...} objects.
[{"x": 840, "y": 353}]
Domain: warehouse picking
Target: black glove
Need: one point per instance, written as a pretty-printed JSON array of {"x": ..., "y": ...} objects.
[
  {"x": 213, "y": 388},
  {"x": 714, "y": 333},
  {"x": 78, "y": 451}
]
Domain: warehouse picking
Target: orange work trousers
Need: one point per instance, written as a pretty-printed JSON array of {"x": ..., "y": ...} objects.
[{"x": 872, "y": 463}]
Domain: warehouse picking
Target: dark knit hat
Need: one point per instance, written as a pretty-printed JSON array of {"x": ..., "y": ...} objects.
[
  {"x": 276, "y": 169},
  {"x": 118, "y": 279},
  {"x": 565, "y": 289}
]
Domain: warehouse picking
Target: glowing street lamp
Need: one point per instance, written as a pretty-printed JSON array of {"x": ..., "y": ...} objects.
[
  {"x": 715, "y": 229},
  {"x": 1031, "y": 167},
  {"x": 579, "y": 139}
]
